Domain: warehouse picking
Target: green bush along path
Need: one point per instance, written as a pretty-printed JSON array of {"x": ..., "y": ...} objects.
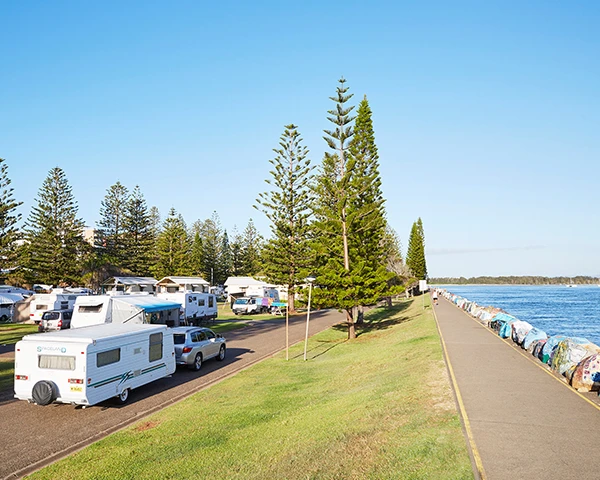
[{"x": 379, "y": 406}]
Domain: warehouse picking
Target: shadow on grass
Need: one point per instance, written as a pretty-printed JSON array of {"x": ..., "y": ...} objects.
[
  {"x": 379, "y": 318},
  {"x": 320, "y": 348}
]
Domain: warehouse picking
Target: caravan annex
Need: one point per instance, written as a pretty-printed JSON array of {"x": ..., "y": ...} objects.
[
  {"x": 97, "y": 309},
  {"x": 88, "y": 365}
]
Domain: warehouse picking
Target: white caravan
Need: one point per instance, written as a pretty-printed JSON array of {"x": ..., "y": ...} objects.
[
  {"x": 59, "y": 299},
  {"x": 196, "y": 307},
  {"x": 97, "y": 309},
  {"x": 89, "y": 365}
]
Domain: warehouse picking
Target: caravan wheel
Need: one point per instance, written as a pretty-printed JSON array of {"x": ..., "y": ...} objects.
[{"x": 123, "y": 397}]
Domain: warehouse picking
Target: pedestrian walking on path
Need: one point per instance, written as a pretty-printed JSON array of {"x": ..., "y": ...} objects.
[{"x": 434, "y": 296}]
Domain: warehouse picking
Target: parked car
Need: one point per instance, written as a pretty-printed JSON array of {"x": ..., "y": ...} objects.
[
  {"x": 55, "y": 320},
  {"x": 194, "y": 345}
]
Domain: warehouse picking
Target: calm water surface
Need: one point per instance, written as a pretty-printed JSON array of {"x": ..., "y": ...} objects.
[{"x": 554, "y": 309}]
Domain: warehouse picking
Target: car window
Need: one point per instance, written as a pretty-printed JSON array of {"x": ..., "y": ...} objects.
[
  {"x": 50, "y": 316},
  {"x": 179, "y": 338},
  {"x": 210, "y": 334},
  {"x": 67, "y": 315},
  {"x": 194, "y": 337},
  {"x": 201, "y": 336}
]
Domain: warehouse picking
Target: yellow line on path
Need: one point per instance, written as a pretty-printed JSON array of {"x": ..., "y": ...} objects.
[
  {"x": 528, "y": 357},
  {"x": 461, "y": 406}
]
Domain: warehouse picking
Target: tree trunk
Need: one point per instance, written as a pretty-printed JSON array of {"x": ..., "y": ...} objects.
[
  {"x": 388, "y": 301},
  {"x": 351, "y": 325}
]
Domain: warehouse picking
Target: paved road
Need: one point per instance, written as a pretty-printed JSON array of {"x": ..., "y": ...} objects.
[
  {"x": 33, "y": 436},
  {"x": 525, "y": 422}
]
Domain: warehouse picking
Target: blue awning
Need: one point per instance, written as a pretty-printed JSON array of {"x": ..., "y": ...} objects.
[{"x": 149, "y": 304}]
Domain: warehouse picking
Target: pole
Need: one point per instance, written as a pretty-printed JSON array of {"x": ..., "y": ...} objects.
[
  {"x": 307, "y": 320},
  {"x": 287, "y": 332}
]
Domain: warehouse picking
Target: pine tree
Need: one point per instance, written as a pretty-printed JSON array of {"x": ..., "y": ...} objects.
[
  {"x": 138, "y": 235},
  {"x": 225, "y": 261},
  {"x": 331, "y": 211},
  {"x": 54, "y": 234},
  {"x": 111, "y": 232},
  {"x": 211, "y": 234},
  {"x": 252, "y": 244},
  {"x": 172, "y": 247},
  {"x": 287, "y": 255},
  {"x": 415, "y": 256},
  {"x": 196, "y": 265},
  {"x": 236, "y": 249},
  {"x": 366, "y": 217},
  {"x": 155, "y": 228},
  {"x": 9, "y": 234}
]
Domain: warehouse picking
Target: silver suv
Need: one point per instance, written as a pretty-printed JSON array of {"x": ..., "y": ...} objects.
[
  {"x": 193, "y": 345},
  {"x": 55, "y": 320}
]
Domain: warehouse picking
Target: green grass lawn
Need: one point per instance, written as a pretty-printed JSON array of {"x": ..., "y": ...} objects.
[
  {"x": 376, "y": 407},
  {"x": 7, "y": 373},
  {"x": 13, "y": 332}
]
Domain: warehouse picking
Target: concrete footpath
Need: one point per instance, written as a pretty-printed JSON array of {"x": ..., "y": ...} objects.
[{"x": 522, "y": 422}]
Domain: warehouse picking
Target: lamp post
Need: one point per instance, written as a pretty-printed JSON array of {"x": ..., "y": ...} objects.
[{"x": 310, "y": 280}]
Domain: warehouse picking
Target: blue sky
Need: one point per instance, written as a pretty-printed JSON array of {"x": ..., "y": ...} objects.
[{"x": 486, "y": 114}]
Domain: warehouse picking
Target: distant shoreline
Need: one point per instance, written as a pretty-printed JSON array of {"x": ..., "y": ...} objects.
[{"x": 515, "y": 284}]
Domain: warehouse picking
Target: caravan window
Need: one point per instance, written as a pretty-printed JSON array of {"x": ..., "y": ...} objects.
[
  {"x": 200, "y": 302},
  {"x": 156, "y": 346},
  {"x": 106, "y": 358},
  {"x": 90, "y": 308},
  {"x": 41, "y": 307},
  {"x": 56, "y": 362},
  {"x": 211, "y": 302}
]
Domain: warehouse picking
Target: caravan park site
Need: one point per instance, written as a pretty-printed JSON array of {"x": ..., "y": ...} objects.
[
  {"x": 395, "y": 416},
  {"x": 296, "y": 419}
]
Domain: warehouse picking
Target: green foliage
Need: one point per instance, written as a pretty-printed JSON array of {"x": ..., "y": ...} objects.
[
  {"x": 111, "y": 235},
  {"x": 236, "y": 250},
  {"x": 138, "y": 235},
  {"x": 55, "y": 246},
  {"x": 209, "y": 258},
  {"x": 252, "y": 245},
  {"x": 415, "y": 256},
  {"x": 332, "y": 196},
  {"x": 173, "y": 247},
  {"x": 9, "y": 233},
  {"x": 350, "y": 225},
  {"x": 287, "y": 254}
]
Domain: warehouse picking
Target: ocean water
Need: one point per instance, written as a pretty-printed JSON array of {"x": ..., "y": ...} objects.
[{"x": 553, "y": 309}]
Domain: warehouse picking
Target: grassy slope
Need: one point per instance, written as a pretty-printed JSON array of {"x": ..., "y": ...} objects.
[{"x": 378, "y": 407}]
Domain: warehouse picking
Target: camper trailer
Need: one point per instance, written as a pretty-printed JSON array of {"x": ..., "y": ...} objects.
[
  {"x": 96, "y": 309},
  {"x": 89, "y": 365},
  {"x": 58, "y": 299},
  {"x": 7, "y": 305},
  {"x": 196, "y": 307}
]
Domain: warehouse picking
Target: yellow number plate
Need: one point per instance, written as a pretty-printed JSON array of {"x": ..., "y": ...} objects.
[{"x": 76, "y": 389}]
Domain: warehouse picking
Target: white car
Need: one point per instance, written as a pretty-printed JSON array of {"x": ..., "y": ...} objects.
[{"x": 194, "y": 345}]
